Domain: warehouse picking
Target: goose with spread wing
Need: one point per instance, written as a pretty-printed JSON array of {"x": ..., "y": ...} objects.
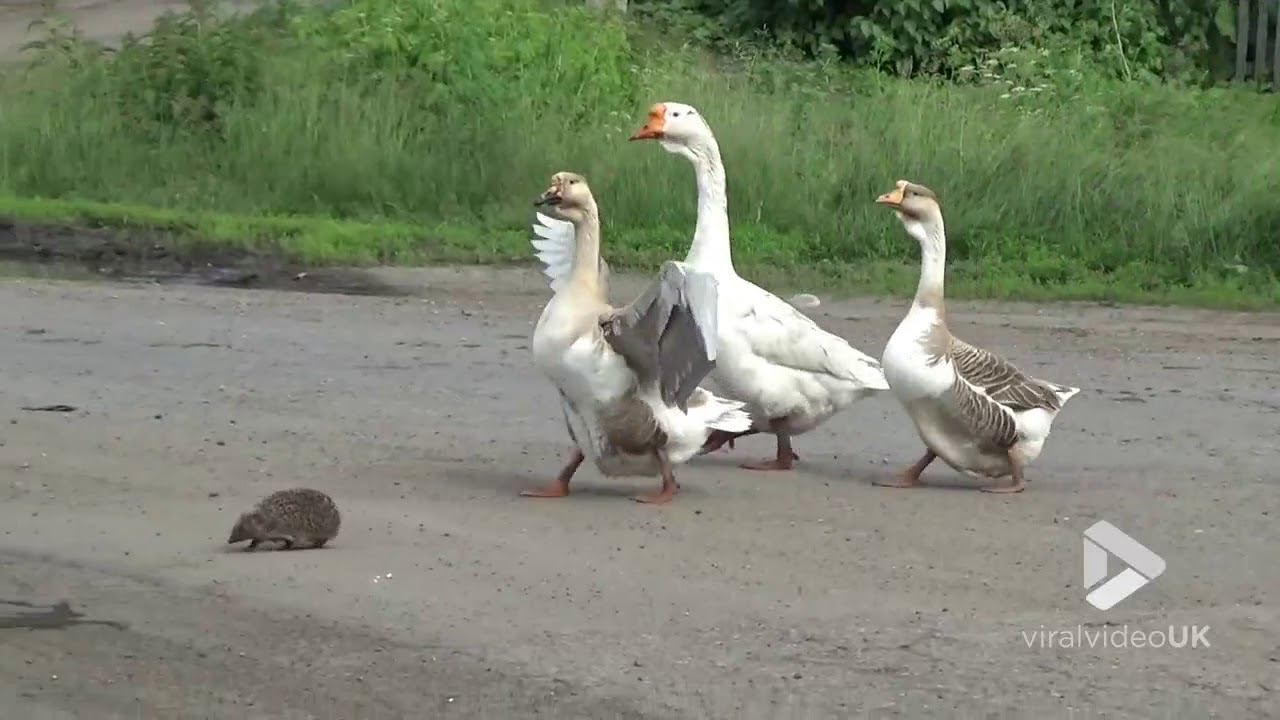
[
  {"x": 972, "y": 408},
  {"x": 628, "y": 376},
  {"x": 792, "y": 374}
]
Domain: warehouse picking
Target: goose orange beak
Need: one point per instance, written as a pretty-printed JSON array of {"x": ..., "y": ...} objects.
[
  {"x": 893, "y": 198},
  {"x": 654, "y": 125}
]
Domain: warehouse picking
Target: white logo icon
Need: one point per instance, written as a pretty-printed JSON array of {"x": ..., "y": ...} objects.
[{"x": 1103, "y": 538}]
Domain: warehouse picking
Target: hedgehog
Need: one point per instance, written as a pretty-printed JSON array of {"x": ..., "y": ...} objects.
[{"x": 300, "y": 516}]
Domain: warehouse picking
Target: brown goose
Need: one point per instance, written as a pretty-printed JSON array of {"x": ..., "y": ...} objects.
[{"x": 975, "y": 410}]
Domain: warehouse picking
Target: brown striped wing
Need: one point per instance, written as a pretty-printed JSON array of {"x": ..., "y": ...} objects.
[{"x": 986, "y": 384}]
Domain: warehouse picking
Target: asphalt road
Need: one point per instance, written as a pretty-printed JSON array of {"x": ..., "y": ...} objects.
[
  {"x": 809, "y": 594},
  {"x": 802, "y": 595}
]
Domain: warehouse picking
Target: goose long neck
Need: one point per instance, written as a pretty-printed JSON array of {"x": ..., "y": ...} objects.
[
  {"x": 710, "y": 247},
  {"x": 585, "y": 270},
  {"x": 933, "y": 265}
]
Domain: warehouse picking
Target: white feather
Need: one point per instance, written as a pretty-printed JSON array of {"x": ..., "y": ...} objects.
[
  {"x": 782, "y": 363},
  {"x": 719, "y": 413},
  {"x": 555, "y": 246}
]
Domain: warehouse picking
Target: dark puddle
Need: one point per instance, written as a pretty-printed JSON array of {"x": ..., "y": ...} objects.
[
  {"x": 73, "y": 252},
  {"x": 57, "y": 616}
]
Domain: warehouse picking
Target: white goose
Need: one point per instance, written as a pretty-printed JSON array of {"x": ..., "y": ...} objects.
[
  {"x": 792, "y": 374},
  {"x": 975, "y": 410},
  {"x": 628, "y": 377}
]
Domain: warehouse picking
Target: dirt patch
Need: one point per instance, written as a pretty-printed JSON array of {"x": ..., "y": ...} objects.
[
  {"x": 159, "y": 256},
  {"x": 103, "y": 21}
]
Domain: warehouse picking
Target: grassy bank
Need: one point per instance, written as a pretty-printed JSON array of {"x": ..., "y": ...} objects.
[
  {"x": 321, "y": 241},
  {"x": 421, "y": 130}
]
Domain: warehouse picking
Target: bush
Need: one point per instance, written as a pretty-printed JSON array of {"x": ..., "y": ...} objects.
[
  {"x": 370, "y": 107},
  {"x": 1184, "y": 39},
  {"x": 480, "y": 56},
  {"x": 188, "y": 72}
]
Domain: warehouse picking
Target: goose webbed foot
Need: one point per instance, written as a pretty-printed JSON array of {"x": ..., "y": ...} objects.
[
  {"x": 560, "y": 486},
  {"x": 910, "y": 477},
  {"x": 1018, "y": 484},
  {"x": 669, "y": 484},
  {"x": 1017, "y": 487},
  {"x": 785, "y": 458},
  {"x": 770, "y": 464}
]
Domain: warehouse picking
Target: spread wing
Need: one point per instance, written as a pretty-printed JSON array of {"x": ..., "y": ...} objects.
[
  {"x": 554, "y": 245},
  {"x": 668, "y": 334}
]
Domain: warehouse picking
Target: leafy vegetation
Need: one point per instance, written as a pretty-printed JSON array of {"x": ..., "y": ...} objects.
[
  {"x": 1061, "y": 173},
  {"x": 1170, "y": 39}
]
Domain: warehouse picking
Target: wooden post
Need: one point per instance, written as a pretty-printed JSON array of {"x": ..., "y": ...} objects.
[
  {"x": 1260, "y": 45},
  {"x": 1242, "y": 38},
  {"x": 1275, "y": 60}
]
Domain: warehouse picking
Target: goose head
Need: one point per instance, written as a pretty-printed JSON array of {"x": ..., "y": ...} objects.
[
  {"x": 568, "y": 197},
  {"x": 678, "y": 127},
  {"x": 916, "y": 206}
]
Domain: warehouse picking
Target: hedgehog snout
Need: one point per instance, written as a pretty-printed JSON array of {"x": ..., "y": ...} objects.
[{"x": 245, "y": 529}]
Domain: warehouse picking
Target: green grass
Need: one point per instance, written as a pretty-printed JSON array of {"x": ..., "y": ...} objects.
[
  {"x": 326, "y": 241},
  {"x": 420, "y": 130}
]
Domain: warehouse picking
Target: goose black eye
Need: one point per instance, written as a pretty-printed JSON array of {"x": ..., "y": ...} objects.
[
  {"x": 675, "y": 114},
  {"x": 573, "y": 182}
]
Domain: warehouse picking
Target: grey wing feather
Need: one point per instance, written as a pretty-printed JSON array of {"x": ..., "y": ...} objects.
[
  {"x": 687, "y": 350},
  {"x": 668, "y": 333},
  {"x": 1002, "y": 381}
]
